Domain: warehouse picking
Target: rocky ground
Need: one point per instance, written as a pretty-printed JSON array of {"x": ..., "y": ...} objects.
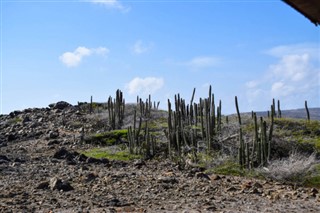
[{"x": 41, "y": 170}]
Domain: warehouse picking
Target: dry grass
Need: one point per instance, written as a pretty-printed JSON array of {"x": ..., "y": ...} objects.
[{"x": 292, "y": 169}]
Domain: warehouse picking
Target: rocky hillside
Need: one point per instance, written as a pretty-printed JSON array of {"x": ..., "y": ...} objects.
[{"x": 65, "y": 159}]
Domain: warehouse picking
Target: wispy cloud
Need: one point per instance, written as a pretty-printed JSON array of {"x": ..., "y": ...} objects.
[
  {"x": 112, "y": 4},
  {"x": 73, "y": 59},
  {"x": 148, "y": 85},
  {"x": 141, "y": 47},
  {"x": 201, "y": 62},
  {"x": 294, "y": 76}
]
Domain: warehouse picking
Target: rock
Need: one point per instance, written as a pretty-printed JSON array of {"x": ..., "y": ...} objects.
[
  {"x": 58, "y": 184},
  {"x": 43, "y": 185},
  {"x": 90, "y": 177},
  {"x": 11, "y": 137},
  {"x": 215, "y": 177},
  {"x": 93, "y": 160},
  {"x": 211, "y": 208},
  {"x": 313, "y": 192},
  {"x": 257, "y": 185},
  {"x": 62, "y": 153},
  {"x": 60, "y": 105},
  {"x": 82, "y": 157},
  {"x": 201, "y": 175},
  {"x": 54, "y": 142},
  {"x": 114, "y": 202},
  {"x": 26, "y": 119},
  {"x": 15, "y": 113},
  {"x": 139, "y": 163},
  {"x": 19, "y": 160},
  {"x": 53, "y": 134},
  {"x": 4, "y": 159},
  {"x": 231, "y": 189},
  {"x": 170, "y": 180}
]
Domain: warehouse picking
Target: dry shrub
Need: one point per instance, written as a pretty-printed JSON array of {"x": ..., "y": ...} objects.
[{"x": 291, "y": 169}]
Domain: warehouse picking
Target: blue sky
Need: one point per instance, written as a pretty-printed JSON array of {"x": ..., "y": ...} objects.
[{"x": 70, "y": 50}]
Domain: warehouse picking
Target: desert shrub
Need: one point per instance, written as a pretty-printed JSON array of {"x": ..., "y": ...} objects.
[{"x": 293, "y": 169}]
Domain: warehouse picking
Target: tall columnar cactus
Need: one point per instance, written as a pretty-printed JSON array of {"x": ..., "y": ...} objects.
[
  {"x": 116, "y": 110},
  {"x": 91, "y": 106},
  {"x": 279, "y": 110},
  {"x": 271, "y": 133},
  {"x": 259, "y": 152},
  {"x": 274, "y": 108},
  {"x": 307, "y": 110},
  {"x": 242, "y": 155},
  {"x": 237, "y": 108},
  {"x": 188, "y": 122},
  {"x": 255, "y": 145}
]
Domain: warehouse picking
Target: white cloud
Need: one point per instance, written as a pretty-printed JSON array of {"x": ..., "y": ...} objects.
[
  {"x": 113, "y": 4},
  {"x": 147, "y": 85},
  {"x": 139, "y": 47},
  {"x": 279, "y": 89},
  {"x": 295, "y": 49},
  {"x": 252, "y": 84},
  {"x": 294, "y": 77},
  {"x": 292, "y": 67},
  {"x": 73, "y": 59},
  {"x": 203, "y": 62}
]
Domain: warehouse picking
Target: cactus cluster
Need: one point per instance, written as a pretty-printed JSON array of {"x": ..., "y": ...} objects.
[
  {"x": 142, "y": 143},
  {"x": 258, "y": 152},
  {"x": 191, "y": 123},
  {"x": 116, "y": 109},
  {"x": 193, "y": 128}
]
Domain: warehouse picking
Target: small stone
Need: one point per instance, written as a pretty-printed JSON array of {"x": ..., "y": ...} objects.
[
  {"x": 314, "y": 191},
  {"x": 139, "y": 163},
  {"x": 211, "y": 208},
  {"x": 171, "y": 180},
  {"x": 92, "y": 160},
  {"x": 58, "y": 184},
  {"x": 231, "y": 189},
  {"x": 202, "y": 175},
  {"x": 4, "y": 159},
  {"x": 11, "y": 137},
  {"x": 43, "y": 185},
  {"x": 53, "y": 134},
  {"x": 90, "y": 177},
  {"x": 215, "y": 177},
  {"x": 61, "y": 153},
  {"x": 257, "y": 185},
  {"x": 26, "y": 119}
]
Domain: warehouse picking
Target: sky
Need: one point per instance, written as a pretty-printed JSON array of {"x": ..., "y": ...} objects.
[{"x": 71, "y": 50}]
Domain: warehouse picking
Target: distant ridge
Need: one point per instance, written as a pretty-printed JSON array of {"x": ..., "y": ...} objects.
[{"x": 295, "y": 113}]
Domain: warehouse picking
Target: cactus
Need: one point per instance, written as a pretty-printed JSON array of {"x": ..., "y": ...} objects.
[
  {"x": 238, "y": 112},
  {"x": 91, "y": 106},
  {"x": 242, "y": 156},
  {"x": 116, "y": 110},
  {"x": 279, "y": 110},
  {"x": 307, "y": 110}
]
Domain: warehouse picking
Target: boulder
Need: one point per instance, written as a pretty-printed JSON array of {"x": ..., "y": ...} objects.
[{"x": 60, "y": 105}]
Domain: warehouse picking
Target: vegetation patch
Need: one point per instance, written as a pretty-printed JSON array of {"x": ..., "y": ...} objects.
[
  {"x": 108, "y": 138},
  {"x": 122, "y": 155},
  {"x": 298, "y": 130},
  {"x": 14, "y": 121},
  {"x": 228, "y": 168}
]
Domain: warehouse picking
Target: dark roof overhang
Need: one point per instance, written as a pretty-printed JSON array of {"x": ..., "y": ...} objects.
[{"x": 309, "y": 8}]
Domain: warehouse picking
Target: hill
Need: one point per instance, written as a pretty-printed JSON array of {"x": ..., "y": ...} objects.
[
  {"x": 116, "y": 157},
  {"x": 294, "y": 113}
]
